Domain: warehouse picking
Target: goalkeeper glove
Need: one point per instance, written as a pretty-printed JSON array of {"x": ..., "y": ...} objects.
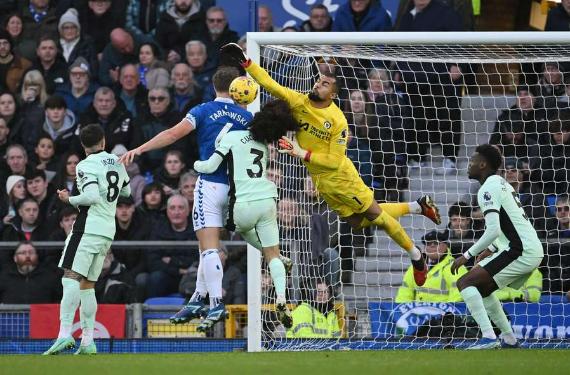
[
  {"x": 234, "y": 52},
  {"x": 291, "y": 147}
]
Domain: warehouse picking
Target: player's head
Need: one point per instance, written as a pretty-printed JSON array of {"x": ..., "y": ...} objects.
[
  {"x": 486, "y": 160},
  {"x": 223, "y": 78},
  {"x": 92, "y": 137},
  {"x": 325, "y": 89},
  {"x": 272, "y": 122}
]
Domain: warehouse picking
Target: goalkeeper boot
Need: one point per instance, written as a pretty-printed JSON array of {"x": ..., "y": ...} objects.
[
  {"x": 90, "y": 349},
  {"x": 429, "y": 209},
  {"x": 60, "y": 345},
  {"x": 288, "y": 263},
  {"x": 214, "y": 316},
  {"x": 284, "y": 315},
  {"x": 192, "y": 310},
  {"x": 485, "y": 343},
  {"x": 421, "y": 269}
]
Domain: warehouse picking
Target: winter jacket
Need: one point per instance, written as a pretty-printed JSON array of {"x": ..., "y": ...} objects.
[
  {"x": 557, "y": 20},
  {"x": 56, "y": 75},
  {"x": 15, "y": 73},
  {"x": 119, "y": 126},
  {"x": 78, "y": 105},
  {"x": 139, "y": 230},
  {"x": 115, "y": 285},
  {"x": 26, "y": 131},
  {"x": 213, "y": 46},
  {"x": 308, "y": 322},
  {"x": 112, "y": 59},
  {"x": 14, "y": 232},
  {"x": 143, "y": 15},
  {"x": 173, "y": 36},
  {"x": 33, "y": 30},
  {"x": 83, "y": 48},
  {"x": 42, "y": 285},
  {"x": 375, "y": 18},
  {"x": 64, "y": 137}
]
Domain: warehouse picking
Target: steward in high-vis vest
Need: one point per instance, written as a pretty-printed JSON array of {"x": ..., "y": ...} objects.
[{"x": 440, "y": 285}]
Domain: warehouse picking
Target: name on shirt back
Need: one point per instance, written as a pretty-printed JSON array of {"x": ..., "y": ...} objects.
[{"x": 233, "y": 115}]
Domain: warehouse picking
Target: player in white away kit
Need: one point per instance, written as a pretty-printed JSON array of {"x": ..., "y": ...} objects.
[
  {"x": 101, "y": 179},
  {"x": 211, "y": 121},
  {"x": 253, "y": 198},
  {"x": 510, "y": 242}
]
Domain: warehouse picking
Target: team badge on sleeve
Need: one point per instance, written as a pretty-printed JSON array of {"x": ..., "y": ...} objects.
[
  {"x": 487, "y": 196},
  {"x": 343, "y": 136}
]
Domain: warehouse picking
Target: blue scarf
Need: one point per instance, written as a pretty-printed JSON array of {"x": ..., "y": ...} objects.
[{"x": 38, "y": 16}]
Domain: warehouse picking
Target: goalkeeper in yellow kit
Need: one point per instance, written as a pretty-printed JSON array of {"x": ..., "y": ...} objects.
[{"x": 321, "y": 143}]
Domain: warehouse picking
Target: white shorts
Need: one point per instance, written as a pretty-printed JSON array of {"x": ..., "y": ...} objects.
[{"x": 210, "y": 204}]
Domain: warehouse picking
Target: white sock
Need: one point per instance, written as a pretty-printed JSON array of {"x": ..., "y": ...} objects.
[
  {"x": 201, "y": 287},
  {"x": 213, "y": 275},
  {"x": 509, "y": 338},
  {"x": 489, "y": 334},
  {"x": 415, "y": 207},
  {"x": 415, "y": 253}
]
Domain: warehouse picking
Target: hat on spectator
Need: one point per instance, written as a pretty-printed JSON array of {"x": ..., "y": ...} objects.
[
  {"x": 435, "y": 236},
  {"x": 119, "y": 150},
  {"x": 80, "y": 63},
  {"x": 129, "y": 201},
  {"x": 11, "y": 181},
  {"x": 4, "y": 35},
  {"x": 70, "y": 16},
  {"x": 513, "y": 163}
]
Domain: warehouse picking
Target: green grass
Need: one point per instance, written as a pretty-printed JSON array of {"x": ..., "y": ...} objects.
[{"x": 504, "y": 362}]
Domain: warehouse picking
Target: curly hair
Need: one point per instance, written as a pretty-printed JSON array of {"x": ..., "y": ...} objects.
[
  {"x": 491, "y": 154},
  {"x": 272, "y": 122}
]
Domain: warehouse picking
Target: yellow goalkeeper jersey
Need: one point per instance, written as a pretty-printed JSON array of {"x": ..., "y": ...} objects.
[{"x": 323, "y": 131}]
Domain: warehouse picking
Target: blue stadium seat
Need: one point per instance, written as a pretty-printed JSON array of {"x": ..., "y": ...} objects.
[{"x": 165, "y": 301}]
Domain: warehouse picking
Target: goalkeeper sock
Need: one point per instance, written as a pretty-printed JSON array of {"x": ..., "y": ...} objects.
[
  {"x": 68, "y": 306},
  {"x": 201, "y": 287},
  {"x": 277, "y": 271},
  {"x": 87, "y": 312},
  {"x": 213, "y": 275},
  {"x": 396, "y": 209},
  {"x": 414, "y": 207},
  {"x": 497, "y": 315},
  {"x": 393, "y": 229},
  {"x": 474, "y": 302}
]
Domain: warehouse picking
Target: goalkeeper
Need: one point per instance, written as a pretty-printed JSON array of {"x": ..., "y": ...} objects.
[
  {"x": 321, "y": 142},
  {"x": 252, "y": 209}
]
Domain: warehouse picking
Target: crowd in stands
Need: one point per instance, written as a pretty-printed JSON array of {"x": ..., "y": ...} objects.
[{"x": 137, "y": 67}]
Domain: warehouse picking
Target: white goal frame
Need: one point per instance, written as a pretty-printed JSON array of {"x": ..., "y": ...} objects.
[{"x": 256, "y": 40}]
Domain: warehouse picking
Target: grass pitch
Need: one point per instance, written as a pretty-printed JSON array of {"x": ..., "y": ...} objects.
[{"x": 507, "y": 362}]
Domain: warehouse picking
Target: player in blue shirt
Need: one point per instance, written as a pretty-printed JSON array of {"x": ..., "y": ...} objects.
[{"x": 212, "y": 120}]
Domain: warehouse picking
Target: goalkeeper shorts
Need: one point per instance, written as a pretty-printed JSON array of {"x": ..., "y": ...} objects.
[
  {"x": 84, "y": 254},
  {"x": 344, "y": 192},
  {"x": 256, "y": 221}
]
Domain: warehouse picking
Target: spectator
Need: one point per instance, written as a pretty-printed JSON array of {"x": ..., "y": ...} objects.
[
  {"x": 559, "y": 227},
  {"x": 15, "y": 192},
  {"x": 66, "y": 177},
  {"x": 558, "y": 18},
  {"x": 27, "y": 226},
  {"x": 170, "y": 171},
  {"x": 149, "y": 56},
  {"x": 39, "y": 18},
  {"x": 28, "y": 281},
  {"x": 265, "y": 20},
  {"x": 9, "y": 112},
  {"x": 72, "y": 45},
  {"x": 440, "y": 285},
  {"x": 530, "y": 292},
  {"x": 553, "y": 170},
  {"x": 157, "y": 77},
  {"x": 528, "y": 115},
  {"x": 159, "y": 117},
  {"x": 98, "y": 19},
  {"x": 359, "y": 151},
  {"x": 460, "y": 227},
  {"x": 50, "y": 64},
  {"x": 153, "y": 203},
  {"x": 17, "y": 161},
  {"x": 362, "y": 15},
  {"x": 435, "y": 90},
  {"x": 43, "y": 157},
  {"x": 121, "y": 50},
  {"x": 185, "y": 92},
  {"x": 79, "y": 92},
  {"x": 12, "y": 67},
  {"x": 166, "y": 266},
  {"x": 132, "y": 93},
  {"x": 187, "y": 186},
  {"x": 115, "y": 285},
  {"x": 203, "y": 69},
  {"x": 15, "y": 27},
  {"x": 551, "y": 89},
  {"x": 44, "y": 194},
  {"x": 218, "y": 33},
  {"x": 319, "y": 19},
  {"x": 143, "y": 17},
  {"x": 316, "y": 317},
  {"x": 60, "y": 124},
  {"x": 4, "y": 138},
  {"x": 115, "y": 119},
  {"x": 184, "y": 20},
  {"x": 132, "y": 226},
  {"x": 513, "y": 141},
  {"x": 33, "y": 91},
  {"x": 67, "y": 217}
]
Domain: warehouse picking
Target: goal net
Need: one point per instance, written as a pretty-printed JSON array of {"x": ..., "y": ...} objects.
[{"x": 417, "y": 105}]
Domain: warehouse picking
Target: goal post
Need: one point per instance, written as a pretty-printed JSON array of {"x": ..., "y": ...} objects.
[{"x": 427, "y": 121}]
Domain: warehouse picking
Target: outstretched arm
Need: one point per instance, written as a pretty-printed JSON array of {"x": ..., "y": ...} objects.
[{"x": 210, "y": 165}]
